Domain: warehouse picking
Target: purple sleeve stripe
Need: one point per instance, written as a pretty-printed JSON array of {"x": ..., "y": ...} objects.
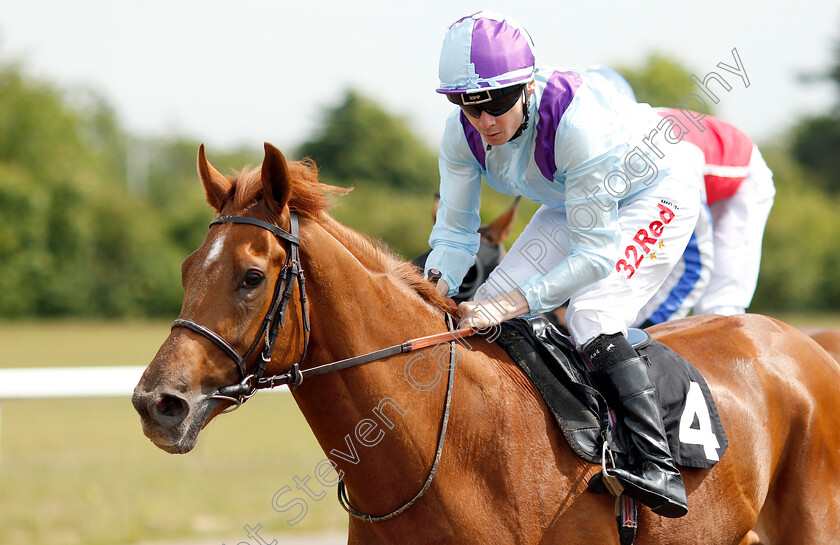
[
  {"x": 474, "y": 141},
  {"x": 558, "y": 94}
]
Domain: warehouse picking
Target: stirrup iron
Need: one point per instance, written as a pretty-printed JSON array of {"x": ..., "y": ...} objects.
[{"x": 612, "y": 484}]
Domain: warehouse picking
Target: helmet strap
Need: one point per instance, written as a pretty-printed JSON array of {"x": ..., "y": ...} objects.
[
  {"x": 522, "y": 126},
  {"x": 525, "y": 115}
]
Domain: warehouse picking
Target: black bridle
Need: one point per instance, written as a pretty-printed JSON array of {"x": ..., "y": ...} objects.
[{"x": 274, "y": 319}]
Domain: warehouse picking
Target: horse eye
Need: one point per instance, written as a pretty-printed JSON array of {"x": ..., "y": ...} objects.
[{"x": 252, "y": 279}]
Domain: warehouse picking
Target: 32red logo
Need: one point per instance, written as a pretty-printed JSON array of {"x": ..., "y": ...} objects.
[{"x": 642, "y": 242}]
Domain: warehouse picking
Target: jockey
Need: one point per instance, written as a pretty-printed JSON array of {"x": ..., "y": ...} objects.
[
  {"x": 719, "y": 270},
  {"x": 614, "y": 220}
]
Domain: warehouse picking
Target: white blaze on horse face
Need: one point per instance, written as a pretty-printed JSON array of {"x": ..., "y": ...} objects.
[{"x": 214, "y": 253}]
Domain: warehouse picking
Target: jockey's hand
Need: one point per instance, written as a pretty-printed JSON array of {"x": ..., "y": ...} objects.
[
  {"x": 483, "y": 314},
  {"x": 442, "y": 287}
]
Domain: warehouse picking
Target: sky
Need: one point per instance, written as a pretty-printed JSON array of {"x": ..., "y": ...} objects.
[{"x": 246, "y": 72}]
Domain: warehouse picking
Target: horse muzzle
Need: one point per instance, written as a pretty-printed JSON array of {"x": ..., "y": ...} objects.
[{"x": 171, "y": 420}]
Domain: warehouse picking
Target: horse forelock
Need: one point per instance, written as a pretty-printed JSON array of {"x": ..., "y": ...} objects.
[
  {"x": 311, "y": 199},
  {"x": 309, "y": 196}
]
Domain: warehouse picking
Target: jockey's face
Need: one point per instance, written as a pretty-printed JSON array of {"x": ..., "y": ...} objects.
[{"x": 497, "y": 130}]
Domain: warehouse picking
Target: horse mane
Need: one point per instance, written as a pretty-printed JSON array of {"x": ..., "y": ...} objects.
[
  {"x": 311, "y": 199},
  {"x": 376, "y": 256}
]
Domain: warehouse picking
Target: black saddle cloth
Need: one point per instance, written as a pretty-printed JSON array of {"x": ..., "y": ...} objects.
[{"x": 550, "y": 360}]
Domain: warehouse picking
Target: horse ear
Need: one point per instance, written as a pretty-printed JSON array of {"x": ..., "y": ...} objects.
[
  {"x": 499, "y": 229},
  {"x": 217, "y": 187},
  {"x": 275, "y": 179}
]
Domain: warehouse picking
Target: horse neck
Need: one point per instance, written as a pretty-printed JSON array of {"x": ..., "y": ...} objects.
[
  {"x": 356, "y": 306},
  {"x": 361, "y": 302},
  {"x": 380, "y": 431}
]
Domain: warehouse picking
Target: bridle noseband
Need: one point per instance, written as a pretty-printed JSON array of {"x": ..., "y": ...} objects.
[
  {"x": 274, "y": 319},
  {"x": 250, "y": 383}
]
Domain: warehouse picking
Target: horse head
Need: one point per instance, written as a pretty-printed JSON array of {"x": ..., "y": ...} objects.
[
  {"x": 244, "y": 323},
  {"x": 232, "y": 286}
]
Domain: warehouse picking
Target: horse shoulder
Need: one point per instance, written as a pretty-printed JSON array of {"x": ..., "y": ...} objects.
[
  {"x": 507, "y": 413},
  {"x": 498, "y": 380}
]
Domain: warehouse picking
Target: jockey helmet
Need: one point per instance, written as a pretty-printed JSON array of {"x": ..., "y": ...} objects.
[{"x": 483, "y": 53}]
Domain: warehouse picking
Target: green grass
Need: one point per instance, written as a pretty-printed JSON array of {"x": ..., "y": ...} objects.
[
  {"x": 80, "y": 471},
  {"x": 79, "y": 343}
]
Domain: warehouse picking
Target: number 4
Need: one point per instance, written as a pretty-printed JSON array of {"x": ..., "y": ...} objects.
[{"x": 695, "y": 406}]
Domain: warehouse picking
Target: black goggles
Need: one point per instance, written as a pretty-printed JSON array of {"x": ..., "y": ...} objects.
[{"x": 494, "y": 102}]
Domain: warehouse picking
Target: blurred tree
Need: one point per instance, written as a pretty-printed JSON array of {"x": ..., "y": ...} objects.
[
  {"x": 816, "y": 139},
  {"x": 799, "y": 261},
  {"x": 72, "y": 242},
  {"x": 170, "y": 183},
  {"x": 815, "y": 145},
  {"x": 37, "y": 132},
  {"x": 359, "y": 143},
  {"x": 23, "y": 259},
  {"x": 96, "y": 223},
  {"x": 661, "y": 82}
]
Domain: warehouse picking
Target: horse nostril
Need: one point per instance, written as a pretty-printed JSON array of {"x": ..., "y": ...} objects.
[{"x": 172, "y": 407}]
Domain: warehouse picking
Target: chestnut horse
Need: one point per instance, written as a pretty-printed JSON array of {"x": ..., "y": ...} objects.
[
  {"x": 506, "y": 473},
  {"x": 829, "y": 339}
]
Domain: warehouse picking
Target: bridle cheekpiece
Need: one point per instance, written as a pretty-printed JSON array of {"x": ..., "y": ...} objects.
[
  {"x": 274, "y": 319},
  {"x": 254, "y": 381}
]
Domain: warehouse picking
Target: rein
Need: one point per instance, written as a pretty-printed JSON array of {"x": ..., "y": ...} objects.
[
  {"x": 252, "y": 382},
  {"x": 275, "y": 318},
  {"x": 342, "y": 489}
]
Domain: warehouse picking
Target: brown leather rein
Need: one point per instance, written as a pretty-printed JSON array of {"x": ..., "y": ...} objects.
[
  {"x": 275, "y": 318},
  {"x": 254, "y": 381}
]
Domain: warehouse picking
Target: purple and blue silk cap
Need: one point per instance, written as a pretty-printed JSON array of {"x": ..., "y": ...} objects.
[{"x": 485, "y": 50}]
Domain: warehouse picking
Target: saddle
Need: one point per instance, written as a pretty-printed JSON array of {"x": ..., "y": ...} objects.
[{"x": 550, "y": 360}]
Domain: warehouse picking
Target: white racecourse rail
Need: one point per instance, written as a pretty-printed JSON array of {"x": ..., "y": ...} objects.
[
  {"x": 41, "y": 382},
  {"x": 52, "y": 382}
]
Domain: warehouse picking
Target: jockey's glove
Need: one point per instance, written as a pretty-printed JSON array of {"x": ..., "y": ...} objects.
[
  {"x": 442, "y": 287},
  {"x": 491, "y": 312}
]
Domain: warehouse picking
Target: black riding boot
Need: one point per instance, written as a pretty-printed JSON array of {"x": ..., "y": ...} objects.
[{"x": 628, "y": 388}]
